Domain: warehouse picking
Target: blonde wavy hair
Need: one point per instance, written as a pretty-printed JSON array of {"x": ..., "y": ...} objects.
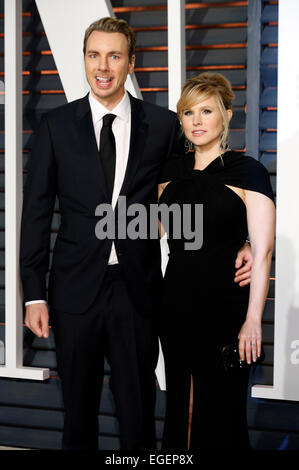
[{"x": 203, "y": 86}]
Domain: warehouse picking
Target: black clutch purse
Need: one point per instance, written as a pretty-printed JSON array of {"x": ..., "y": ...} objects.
[{"x": 232, "y": 361}]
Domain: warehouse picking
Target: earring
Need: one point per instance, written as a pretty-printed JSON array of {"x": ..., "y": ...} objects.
[
  {"x": 223, "y": 143},
  {"x": 188, "y": 146}
]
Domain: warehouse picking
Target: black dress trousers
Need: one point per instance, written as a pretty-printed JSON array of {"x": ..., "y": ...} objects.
[{"x": 113, "y": 328}]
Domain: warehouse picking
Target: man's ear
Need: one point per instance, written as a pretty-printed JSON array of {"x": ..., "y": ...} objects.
[{"x": 132, "y": 64}]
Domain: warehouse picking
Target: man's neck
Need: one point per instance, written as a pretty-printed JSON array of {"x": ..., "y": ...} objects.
[{"x": 111, "y": 103}]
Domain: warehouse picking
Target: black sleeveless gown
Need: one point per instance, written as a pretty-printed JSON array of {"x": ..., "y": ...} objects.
[{"x": 202, "y": 308}]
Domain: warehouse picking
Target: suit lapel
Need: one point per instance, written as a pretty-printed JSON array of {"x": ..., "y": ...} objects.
[
  {"x": 88, "y": 144},
  {"x": 139, "y": 129}
]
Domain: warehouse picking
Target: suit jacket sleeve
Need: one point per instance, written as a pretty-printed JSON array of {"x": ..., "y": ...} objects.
[
  {"x": 176, "y": 141},
  {"x": 38, "y": 204},
  {"x": 173, "y": 160}
]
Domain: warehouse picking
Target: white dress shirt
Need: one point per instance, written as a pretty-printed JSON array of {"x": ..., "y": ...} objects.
[{"x": 121, "y": 128}]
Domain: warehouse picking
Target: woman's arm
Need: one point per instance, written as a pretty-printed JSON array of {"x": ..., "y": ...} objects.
[{"x": 261, "y": 228}]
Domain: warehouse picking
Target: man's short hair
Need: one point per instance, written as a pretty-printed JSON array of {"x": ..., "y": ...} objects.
[{"x": 112, "y": 25}]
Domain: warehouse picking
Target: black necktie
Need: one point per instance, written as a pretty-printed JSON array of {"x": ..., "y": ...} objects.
[{"x": 107, "y": 151}]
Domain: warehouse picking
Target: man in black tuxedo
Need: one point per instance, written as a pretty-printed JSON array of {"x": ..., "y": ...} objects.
[{"x": 103, "y": 294}]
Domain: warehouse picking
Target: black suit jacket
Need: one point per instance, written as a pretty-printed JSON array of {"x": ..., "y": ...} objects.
[{"x": 65, "y": 162}]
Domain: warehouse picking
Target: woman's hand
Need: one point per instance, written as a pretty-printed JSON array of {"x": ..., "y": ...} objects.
[{"x": 250, "y": 340}]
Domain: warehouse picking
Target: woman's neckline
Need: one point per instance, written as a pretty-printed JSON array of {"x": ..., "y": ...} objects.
[{"x": 215, "y": 161}]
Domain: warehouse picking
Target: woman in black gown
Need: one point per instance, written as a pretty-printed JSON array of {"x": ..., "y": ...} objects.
[{"x": 202, "y": 308}]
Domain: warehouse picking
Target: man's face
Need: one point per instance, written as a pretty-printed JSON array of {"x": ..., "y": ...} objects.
[{"x": 107, "y": 66}]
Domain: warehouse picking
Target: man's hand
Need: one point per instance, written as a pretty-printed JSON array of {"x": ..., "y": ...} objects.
[
  {"x": 37, "y": 319},
  {"x": 243, "y": 265}
]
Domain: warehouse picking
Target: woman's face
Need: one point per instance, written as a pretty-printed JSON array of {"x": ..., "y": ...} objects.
[{"x": 203, "y": 123}]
